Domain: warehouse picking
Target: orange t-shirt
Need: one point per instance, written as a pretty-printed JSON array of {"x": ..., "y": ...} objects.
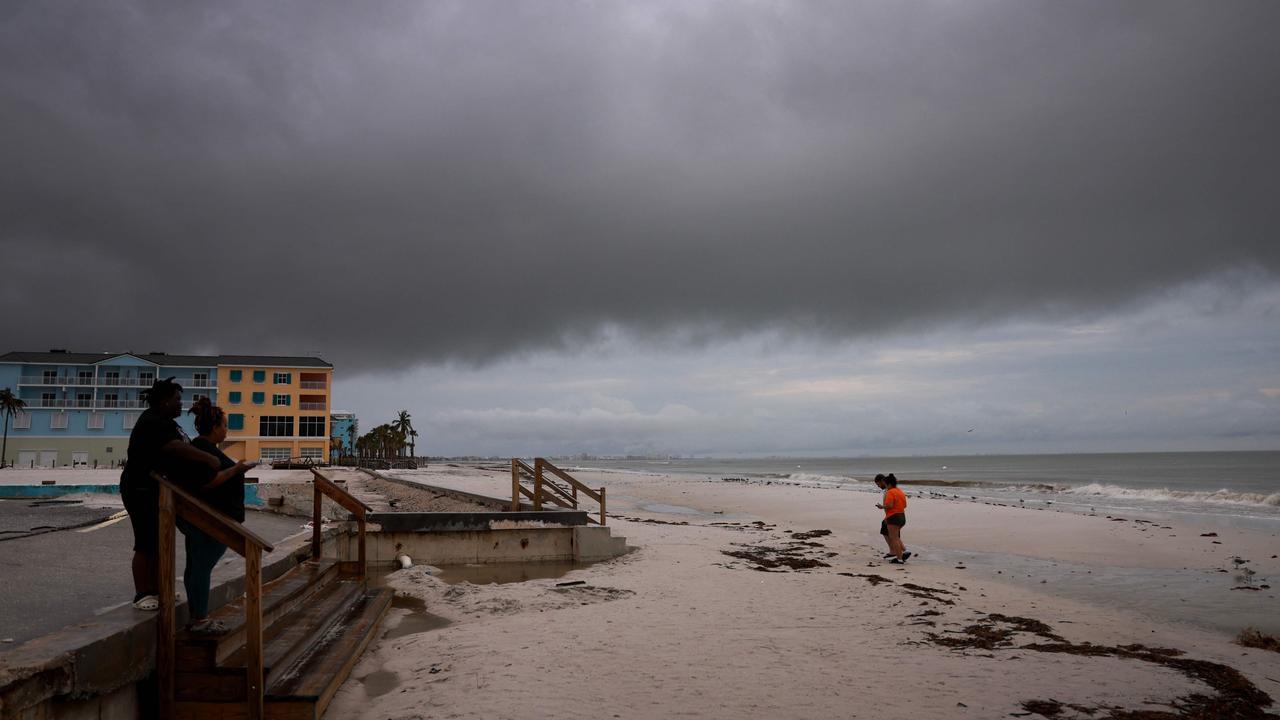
[{"x": 895, "y": 501}]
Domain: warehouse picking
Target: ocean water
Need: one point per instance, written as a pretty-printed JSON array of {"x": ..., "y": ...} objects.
[
  {"x": 1235, "y": 489},
  {"x": 1227, "y": 487}
]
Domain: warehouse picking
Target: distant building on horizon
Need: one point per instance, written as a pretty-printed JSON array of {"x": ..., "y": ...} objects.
[
  {"x": 344, "y": 428},
  {"x": 81, "y": 407}
]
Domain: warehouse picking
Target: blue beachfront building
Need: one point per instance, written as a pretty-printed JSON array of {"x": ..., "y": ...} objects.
[
  {"x": 81, "y": 407},
  {"x": 344, "y": 428}
]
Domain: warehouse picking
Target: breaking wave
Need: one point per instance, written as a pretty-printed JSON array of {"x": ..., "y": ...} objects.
[{"x": 1223, "y": 497}]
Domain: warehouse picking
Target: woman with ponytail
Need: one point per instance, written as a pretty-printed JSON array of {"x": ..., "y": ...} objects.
[
  {"x": 895, "y": 517},
  {"x": 224, "y": 492}
]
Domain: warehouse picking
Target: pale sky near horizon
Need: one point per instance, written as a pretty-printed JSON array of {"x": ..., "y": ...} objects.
[{"x": 670, "y": 227}]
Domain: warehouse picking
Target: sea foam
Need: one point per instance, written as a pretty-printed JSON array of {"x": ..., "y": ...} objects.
[{"x": 1223, "y": 496}]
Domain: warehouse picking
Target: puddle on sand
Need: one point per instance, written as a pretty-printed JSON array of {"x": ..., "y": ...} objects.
[
  {"x": 415, "y": 619},
  {"x": 501, "y": 573},
  {"x": 379, "y": 682}
]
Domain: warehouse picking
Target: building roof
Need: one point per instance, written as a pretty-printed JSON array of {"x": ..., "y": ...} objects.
[{"x": 74, "y": 358}]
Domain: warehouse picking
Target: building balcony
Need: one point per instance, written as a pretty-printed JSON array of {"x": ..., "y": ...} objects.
[
  {"x": 66, "y": 404},
  {"x": 125, "y": 404},
  {"x": 64, "y": 381},
  {"x": 311, "y": 406},
  {"x": 312, "y": 384},
  {"x": 59, "y": 380}
]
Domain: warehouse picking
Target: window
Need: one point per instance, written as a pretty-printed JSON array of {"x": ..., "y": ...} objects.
[
  {"x": 97, "y": 421},
  {"x": 259, "y": 398},
  {"x": 312, "y": 452},
  {"x": 275, "y": 426},
  {"x": 146, "y": 377},
  {"x": 130, "y": 419},
  {"x": 235, "y": 421},
  {"x": 237, "y": 375},
  {"x": 47, "y": 399},
  {"x": 282, "y": 378},
  {"x": 50, "y": 377},
  {"x": 85, "y": 376},
  {"x": 275, "y": 454},
  {"x": 311, "y": 426},
  {"x": 84, "y": 399},
  {"x": 111, "y": 400},
  {"x": 233, "y": 397},
  {"x": 200, "y": 379},
  {"x": 285, "y": 400},
  {"x": 58, "y": 421},
  {"x": 22, "y": 421},
  {"x": 197, "y": 396},
  {"x": 259, "y": 376},
  {"x": 112, "y": 378}
]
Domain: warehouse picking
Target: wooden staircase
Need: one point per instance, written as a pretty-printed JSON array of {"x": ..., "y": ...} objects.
[
  {"x": 301, "y": 633},
  {"x": 551, "y": 486}
]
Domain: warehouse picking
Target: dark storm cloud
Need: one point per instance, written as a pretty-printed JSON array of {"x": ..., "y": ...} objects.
[{"x": 394, "y": 183}]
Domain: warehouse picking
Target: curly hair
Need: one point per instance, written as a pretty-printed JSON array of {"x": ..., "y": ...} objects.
[
  {"x": 890, "y": 480},
  {"x": 208, "y": 415},
  {"x": 160, "y": 391}
]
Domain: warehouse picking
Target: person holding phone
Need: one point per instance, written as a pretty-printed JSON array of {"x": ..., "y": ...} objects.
[
  {"x": 156, "y": 444},
  {"x": 224, "y": 492},
  {"x": 895, "y": 518}
]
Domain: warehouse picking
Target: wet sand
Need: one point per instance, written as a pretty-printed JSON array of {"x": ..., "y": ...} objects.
[{"x": 733, "y": 607}]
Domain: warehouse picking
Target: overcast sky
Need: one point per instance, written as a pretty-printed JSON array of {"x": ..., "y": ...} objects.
[{"x": 711, "y": 227}]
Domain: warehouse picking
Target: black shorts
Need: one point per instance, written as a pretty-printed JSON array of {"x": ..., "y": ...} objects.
[
  {"x": 143, "y": 505},
  {"x": 899, "y": 519}
]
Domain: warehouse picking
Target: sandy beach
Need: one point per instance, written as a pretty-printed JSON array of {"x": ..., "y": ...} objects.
[{"x": 736, "y": 603}]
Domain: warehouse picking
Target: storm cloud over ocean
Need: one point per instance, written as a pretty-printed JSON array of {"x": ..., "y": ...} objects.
[{"x": 450, "y": 188}]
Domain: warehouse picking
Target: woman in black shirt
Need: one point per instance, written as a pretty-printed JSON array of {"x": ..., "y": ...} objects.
[{"x": 225, "y": 493}]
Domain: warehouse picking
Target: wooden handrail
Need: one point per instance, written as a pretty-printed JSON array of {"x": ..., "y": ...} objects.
[
  {"x": 574, "y": 482},
  {"x": 324, "y": 485},
  {"x": 544, "y": 488},
  {"x": 176, "y": 502}
]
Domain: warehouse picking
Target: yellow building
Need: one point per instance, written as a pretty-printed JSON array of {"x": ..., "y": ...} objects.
[{"x": 277, "y": 407}]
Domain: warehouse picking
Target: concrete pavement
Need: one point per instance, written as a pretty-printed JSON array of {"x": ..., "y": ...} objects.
[{"x": 60, "y": 577}]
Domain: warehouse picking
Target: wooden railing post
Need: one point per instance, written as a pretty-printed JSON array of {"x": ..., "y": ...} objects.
[
  {"x": 253, "y": 630},
  {"x": 537, "y": 483},
  {"x": 315, "y": 522},
  {"x": 515, "y": 485},
  {"x": 602, "y": 507},
  {"x": 165, "y": 624},
  {"x": 326, "y": 486},
  {"x": 364, "y": 567}
]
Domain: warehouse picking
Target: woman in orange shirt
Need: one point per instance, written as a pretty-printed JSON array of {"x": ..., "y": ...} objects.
[{"x": 895, "y": 517}]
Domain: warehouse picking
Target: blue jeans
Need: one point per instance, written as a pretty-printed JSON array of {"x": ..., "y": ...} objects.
[{"x": 203, "y": 552}]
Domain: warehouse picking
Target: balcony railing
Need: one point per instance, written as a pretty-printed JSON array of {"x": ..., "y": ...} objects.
[
  {"x": 66, "y": 380},
  {"x": 310, "y": 406},
  {"x": 59, "y": 380},
  {"x": 312, "y": 384},
  {"x": 99, "y": 404}
]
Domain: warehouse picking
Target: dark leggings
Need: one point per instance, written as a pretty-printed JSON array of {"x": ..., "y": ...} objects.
[{"x": 203, "y": 552}]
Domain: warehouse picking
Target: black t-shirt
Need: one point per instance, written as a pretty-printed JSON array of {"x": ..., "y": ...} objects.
[
  {"x": 150, "y": 433},
  {"x": 228, "y": 497}
]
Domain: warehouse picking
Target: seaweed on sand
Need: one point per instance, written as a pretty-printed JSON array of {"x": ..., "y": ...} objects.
[
  {"x": 1255, "y": 638},
  {"x": 1234, "y": 697}
]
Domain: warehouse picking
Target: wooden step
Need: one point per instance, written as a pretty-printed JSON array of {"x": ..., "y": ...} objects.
[
  {"x": 279, "y": 597},
  {"x": 305, "y": 689},
  {"x": 283, "y": 642}
]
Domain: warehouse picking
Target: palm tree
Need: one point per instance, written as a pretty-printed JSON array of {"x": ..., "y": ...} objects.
[
  {"x": 413, "y": 439},
  {"x": 10, "y": 405},
  {"x": 402, "y": 424}
]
